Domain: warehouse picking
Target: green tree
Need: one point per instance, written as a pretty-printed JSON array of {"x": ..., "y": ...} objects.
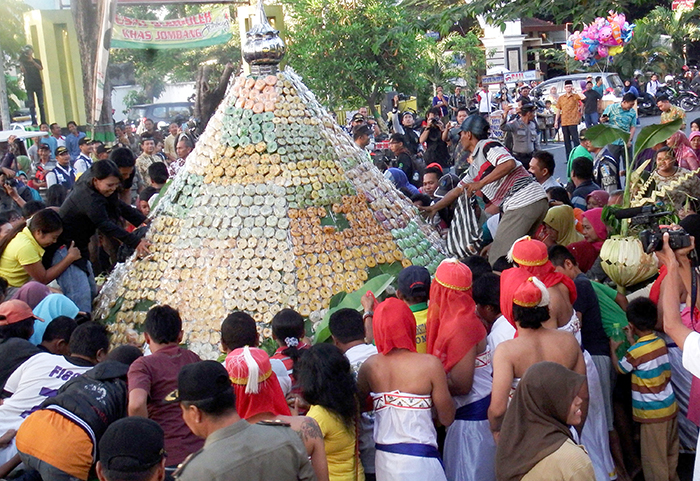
[{"x": 352, "y": 51}]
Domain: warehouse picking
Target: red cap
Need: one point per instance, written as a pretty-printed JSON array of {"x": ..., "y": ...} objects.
[
  {"x": 528, "y": 252},
  {"x": 15, "y": 311},
  {"x": 531, "y": 293}
]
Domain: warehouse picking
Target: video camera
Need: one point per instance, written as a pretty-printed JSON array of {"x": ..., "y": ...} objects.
[{"x": 653, "y": 237}]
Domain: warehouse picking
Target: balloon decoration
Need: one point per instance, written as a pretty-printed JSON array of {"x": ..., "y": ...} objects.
[{"x": 601, "y": 40}]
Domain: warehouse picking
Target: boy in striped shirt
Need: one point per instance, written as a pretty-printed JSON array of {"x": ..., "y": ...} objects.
[{"x": 653, "y": 401}]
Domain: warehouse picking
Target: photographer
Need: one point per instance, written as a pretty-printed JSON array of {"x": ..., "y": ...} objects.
[
  {"x": 432, "y": 135},
  {"x": 675, "y": 321},
  {"x": 31, "y": 68}
]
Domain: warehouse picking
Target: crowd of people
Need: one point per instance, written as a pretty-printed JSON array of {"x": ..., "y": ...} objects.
[{"x": 517, "y": 360}]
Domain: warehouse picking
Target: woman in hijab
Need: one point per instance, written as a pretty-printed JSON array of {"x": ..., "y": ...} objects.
[
  {"x": 536, "y": 442},
  {"x": 694, "y": 140},
  {"x": 405, "y": 386},
  {"x": 260, "y": 398},
  {"x": 400, "y": 181},
  {"x": 684, "y": 153},
  {"x": 594, "y": 234},
  {"x": 51, "y": 307},
  {"x": 32, "y": 293},
  {"x": 560, "y": 226}
]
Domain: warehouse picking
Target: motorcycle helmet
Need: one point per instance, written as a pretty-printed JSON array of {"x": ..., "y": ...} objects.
[{"x": 668, "y": 79}]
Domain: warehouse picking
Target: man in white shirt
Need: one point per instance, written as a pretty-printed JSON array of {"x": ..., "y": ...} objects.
[
  {"x": 83, "y": 162},
  {"x": 486, "y": 291},
  {"x": 542, "y": 168},
  {"x": 348, "y": 333},
  {"x": 484, "y": 99},
  {"x": 41, "y": 376}
]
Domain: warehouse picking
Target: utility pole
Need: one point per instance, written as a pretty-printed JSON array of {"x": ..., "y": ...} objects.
[{"x": 4, "y": 106}]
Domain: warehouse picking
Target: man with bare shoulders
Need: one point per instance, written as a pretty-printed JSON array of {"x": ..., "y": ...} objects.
[
  {"x": 532, "y": 260},
  {"x": 458, "y": 338},
  {"x": 530, "y": 310},
  {"x": 405, "y": 386}
]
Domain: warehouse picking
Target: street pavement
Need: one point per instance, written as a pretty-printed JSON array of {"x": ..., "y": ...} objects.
[{"x": 557, "y": 148}]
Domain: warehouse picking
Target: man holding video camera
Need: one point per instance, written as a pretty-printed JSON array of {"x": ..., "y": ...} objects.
[{"x": 436, "y": 148}]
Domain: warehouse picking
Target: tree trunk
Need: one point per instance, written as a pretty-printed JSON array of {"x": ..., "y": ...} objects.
[
  {"x": 208, "y": 99},
  {"x": 87, "y": 28},
  {"x": 4, "y": 105}
]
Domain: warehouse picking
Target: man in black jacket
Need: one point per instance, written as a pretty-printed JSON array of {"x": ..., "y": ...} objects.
[{"x": 61, "y": 438}]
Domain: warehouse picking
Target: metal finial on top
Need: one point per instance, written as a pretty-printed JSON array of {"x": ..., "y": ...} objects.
[{"x": 263, "y": 49}]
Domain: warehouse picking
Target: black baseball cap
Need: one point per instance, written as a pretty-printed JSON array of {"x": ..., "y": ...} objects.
[
  {"x": 446, "y": 183},
  {"x": 84, "y": 140},
  {"x": 358, "y": 117},
  {"x": 132, "y": 445},
  {"x": 414, "y": 281},
  {"x": 61, "y": 151},
  {"x": 199, "y": 381}
]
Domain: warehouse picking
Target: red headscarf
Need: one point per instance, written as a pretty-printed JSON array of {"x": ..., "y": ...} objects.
[
  {"x": 594, "y": 217},
  {"x": 394, "y": 326},
  {"x": 532, "y": 259},
  {"x": 452, "y": 326},
  {"x": 261, "y": 393}
]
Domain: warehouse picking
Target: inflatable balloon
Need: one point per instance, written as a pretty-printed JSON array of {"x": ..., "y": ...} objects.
[
  {"x": 612, "y": 51},
  {"x": 602, "y": 39}
]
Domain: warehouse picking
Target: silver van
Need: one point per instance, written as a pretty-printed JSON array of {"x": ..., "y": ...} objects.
[{"x": 611, "y": 81}]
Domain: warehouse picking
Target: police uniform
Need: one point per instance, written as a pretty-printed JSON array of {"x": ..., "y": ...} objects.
[{"x": 263, "y": 451}]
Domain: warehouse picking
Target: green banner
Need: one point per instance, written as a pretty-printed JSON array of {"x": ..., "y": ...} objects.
[{"x": 201, "y": 30}]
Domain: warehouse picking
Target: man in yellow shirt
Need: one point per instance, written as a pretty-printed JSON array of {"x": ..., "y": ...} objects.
[
  {"x": 569, "y": 116},
  {"x": 414, "y": 289},
  {"x": 669, "y": 112}
]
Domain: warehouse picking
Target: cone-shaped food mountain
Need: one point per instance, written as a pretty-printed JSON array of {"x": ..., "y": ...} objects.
[{"x": 276, "y": 207}]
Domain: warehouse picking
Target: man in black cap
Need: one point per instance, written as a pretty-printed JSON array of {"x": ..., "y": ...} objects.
[
  {"x": 524, "y": 130},
  {"x": 234, "y": 449},
  {"x": 63, "y": 173},
  {"x": 414, "y": 287},
  {"x": 132, "y": 449}
]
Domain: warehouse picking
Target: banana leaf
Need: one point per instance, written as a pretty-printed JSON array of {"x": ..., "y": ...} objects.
[
  {"x": 352, "y": 300},
  {"x": 603, "y": 134},
  {"x": 654, "y": 134}
]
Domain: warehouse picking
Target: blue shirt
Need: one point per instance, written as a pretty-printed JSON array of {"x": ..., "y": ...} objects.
[
  {"x": 578, "y": 196},
  {"x": 600, "y": 90},
  {"x": 72, "y": 144},
  {"x": 620, "y": 118}
]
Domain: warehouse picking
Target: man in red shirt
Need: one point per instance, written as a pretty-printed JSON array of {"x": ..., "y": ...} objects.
[{"x": 152, "y": 378}]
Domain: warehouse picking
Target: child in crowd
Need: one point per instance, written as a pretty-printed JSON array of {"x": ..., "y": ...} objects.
[
  {"x": 152, "y": 378},
  {"x": 653, "y": 401},
  {"x": 288, "y": 331}
]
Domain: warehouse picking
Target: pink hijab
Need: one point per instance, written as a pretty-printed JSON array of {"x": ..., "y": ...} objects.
[
  {"x": 594, "y": 217},
  {"x": 691, "y": 137},
  {"x": 685, "y": 155}
]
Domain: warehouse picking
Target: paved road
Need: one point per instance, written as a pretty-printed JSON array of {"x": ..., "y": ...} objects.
[{"x": 557, "y": 148}]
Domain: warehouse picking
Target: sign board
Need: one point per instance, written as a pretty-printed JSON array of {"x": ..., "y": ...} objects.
[
  {"x": 207, "y": 28},
  {"x": 491, "y": 79},
  {"x": 495, "y": 121},
  {"x": 682, "y": 5},
  {"x": 520, "y": 76}
]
